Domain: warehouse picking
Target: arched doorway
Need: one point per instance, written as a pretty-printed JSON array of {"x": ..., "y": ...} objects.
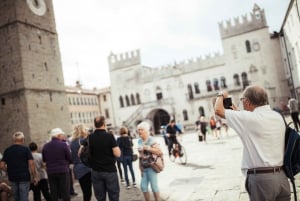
[{"x": 159, "y": 118}]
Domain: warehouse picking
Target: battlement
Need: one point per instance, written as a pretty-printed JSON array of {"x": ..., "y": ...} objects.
[
  {"x": 124, "y": 60},
  {"x": 185, "y": 66},
  {"x": 242, "y": 25}
]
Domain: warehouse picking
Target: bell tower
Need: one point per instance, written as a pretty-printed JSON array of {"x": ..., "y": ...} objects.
[{"x": 32, "y": 91}]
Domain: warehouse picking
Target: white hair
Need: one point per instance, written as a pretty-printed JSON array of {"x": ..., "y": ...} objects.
[
  {"x": 18, "y": 136},
  {"x": 144, "y": 125}
]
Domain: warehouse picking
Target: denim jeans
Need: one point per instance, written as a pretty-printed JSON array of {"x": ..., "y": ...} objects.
[
  {"x": 106, "y": 182},
  {"x": 127, "y": 162},
  {"x": 20, "y": 190},
  {"x": 149, "y": 177},
  {"x": 59, "y": 186}
]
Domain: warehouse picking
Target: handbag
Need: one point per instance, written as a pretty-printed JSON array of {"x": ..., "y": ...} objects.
[
  {"x": 85, "y": 155},
  {"x": 147, "y": 159},
  {"x": 157, "y": 164},
  {"x": 134, "y": 157}
]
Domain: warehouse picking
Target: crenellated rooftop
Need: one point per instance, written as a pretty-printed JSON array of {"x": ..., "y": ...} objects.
[
  {"x": 124, "y": 60},
  {"x": 256, "y": 20}
]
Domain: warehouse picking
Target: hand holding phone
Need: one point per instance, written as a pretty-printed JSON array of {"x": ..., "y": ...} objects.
[{"x": 227, "y": 102}]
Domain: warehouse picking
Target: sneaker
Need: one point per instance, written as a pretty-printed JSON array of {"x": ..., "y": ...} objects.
[
  {"x": 128, "y": 187},
  {"x": 122, "y": 181},
  {"x": 134, "y": 185}
]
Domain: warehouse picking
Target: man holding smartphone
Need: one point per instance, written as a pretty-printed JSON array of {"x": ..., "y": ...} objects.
[{"x": 262, "y": 132}]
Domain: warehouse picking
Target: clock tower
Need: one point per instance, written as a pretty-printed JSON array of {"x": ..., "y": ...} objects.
[{"x": 32, "y": 90}]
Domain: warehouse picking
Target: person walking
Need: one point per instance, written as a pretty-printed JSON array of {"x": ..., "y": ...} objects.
[
  {"x": 125, "y": 144},
  {"x": 104, "y": 151},
  {"x": 42, "y": 185},
  {"x": 262, "y": 131},
  {"x": 147, "y": 145},
  {"x": 18, "y": 162},
  {"x": 57, "y": 156},
  {"x": 118, "y": 162},
  {"x": 294, "y": 110},
  {"x": 81, "y": 172}
]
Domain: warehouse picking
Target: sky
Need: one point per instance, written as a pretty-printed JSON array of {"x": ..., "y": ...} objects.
[{"x": 165, "y": 31}]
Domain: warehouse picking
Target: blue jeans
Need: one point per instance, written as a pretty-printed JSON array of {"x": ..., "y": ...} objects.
[
  {"x": 127, "y": 162},
  {"x": 106, "y": 182},
  {"x": 20, "y": 190},
  {"x": 149, "y": 176}
]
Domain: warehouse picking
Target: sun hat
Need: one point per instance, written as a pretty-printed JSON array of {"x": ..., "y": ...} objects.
[{"x": 56, "y": 131}]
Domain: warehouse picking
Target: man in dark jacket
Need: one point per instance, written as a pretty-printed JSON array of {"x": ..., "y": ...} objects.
[{"x": 57, "y": 156}]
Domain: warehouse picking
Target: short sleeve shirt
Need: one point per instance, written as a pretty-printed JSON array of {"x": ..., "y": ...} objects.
[
  {"x": 16, "y": 158},
  {"x": 262, "y": 133}
]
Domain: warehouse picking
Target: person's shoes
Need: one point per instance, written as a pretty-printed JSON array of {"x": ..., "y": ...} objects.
[
  {"x": 74, "y": 194},
  {"x": 122, "y": 181},
  {"x": 128, "y": 187},
  {"x": 134, "y": 185}
]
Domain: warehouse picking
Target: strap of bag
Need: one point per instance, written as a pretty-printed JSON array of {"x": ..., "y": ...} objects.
[{"x": 292, "y": 180}]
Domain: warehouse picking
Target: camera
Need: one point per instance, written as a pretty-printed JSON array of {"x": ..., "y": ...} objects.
[{"x": 227, "y": 102}]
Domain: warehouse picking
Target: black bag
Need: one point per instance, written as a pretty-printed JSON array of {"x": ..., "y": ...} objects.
[
  {"x": 85, "y": 154},
  {"x": 134, "y": 157},
  {"x": 291, "y": 163}
]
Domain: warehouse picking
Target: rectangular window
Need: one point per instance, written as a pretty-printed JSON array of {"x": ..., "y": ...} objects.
[{"x": 3, "y": 101}]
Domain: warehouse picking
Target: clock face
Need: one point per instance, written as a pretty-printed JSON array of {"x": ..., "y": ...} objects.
[{"x": 38, "y": 7}]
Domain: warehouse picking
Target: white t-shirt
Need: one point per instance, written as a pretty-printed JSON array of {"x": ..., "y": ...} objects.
[{"x": 262, "y": 133}]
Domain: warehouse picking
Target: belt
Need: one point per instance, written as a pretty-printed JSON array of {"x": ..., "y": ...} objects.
[{"x": 264, "y": 170}]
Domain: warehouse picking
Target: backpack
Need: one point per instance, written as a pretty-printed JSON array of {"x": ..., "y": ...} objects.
[
  {"x": 291, "y": 163},
  {"x": 85, "y": 154}
]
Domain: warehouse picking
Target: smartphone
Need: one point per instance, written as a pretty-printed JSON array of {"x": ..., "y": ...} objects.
[{"x": 227, "y": 102}]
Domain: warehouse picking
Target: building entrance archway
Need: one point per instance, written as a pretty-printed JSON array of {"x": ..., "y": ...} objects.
[{"x": 159, "y": 117}]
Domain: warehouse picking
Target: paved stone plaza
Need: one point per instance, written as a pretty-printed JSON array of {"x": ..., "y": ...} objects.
[{"x": 212, "y": 172}]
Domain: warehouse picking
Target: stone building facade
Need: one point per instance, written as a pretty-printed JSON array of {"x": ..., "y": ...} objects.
[
  {"x": 185, "y": 90},
  {"x": 290, "y": 45},
  {"x": 85, "y": 104},
  {"x": 32, "y": 91}
]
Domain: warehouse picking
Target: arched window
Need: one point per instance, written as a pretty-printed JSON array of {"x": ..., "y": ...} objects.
[
  {"x": 216, "y": 84},
  {"x": 201, "y": 111},
  {"x": 223, "y": 82},
  {"x": 127, "y": 101},
  {"x": 138, "y": 101},
  {"x": 245, "y": 80},
  {"x": 196, "y": 86},
  {"x": 248, "y": 46},
  {"x": 159, "y": 94},
  {"x": 121, "y": 101},
  {"x": 236, "y": 80},
  {"x": 185, "y": 115},
  {"x": 208, "y": 85},
  {"x": 190, "y": 91},
  {"x": 132, "y": 99}
]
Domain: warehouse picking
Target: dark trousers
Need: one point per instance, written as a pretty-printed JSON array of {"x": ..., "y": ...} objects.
[
  {"x": 43, "y": 187},
  {"x": 59, "y": 185},
  {"x": 127, "y": 162},
  {"x": 171, "y": 141},
  {"x": 86, "y": 186},
  {"x": 119, "y": 169},
  {"x": 106, "y": 182},
  {"x": 295, "y": 117}
]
